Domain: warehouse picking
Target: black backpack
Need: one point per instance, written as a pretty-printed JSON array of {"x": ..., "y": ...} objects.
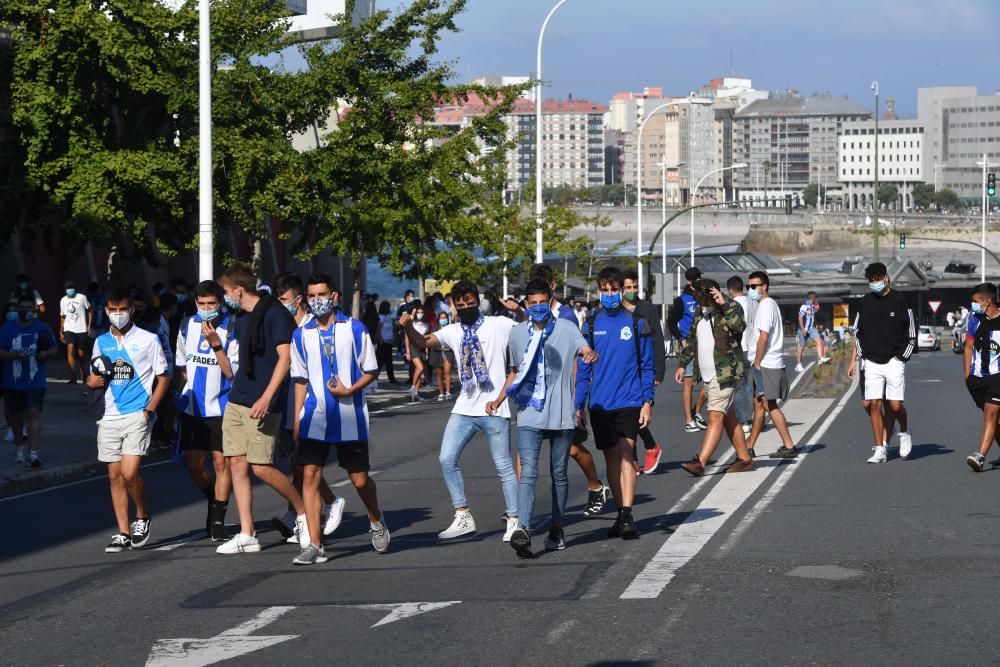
[{"x": 635, "y": 336}]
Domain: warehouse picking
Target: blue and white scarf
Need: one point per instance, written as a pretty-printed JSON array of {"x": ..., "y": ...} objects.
[
  {"x": 472, "y": 371},
  {"x": 528, "y": 388}
]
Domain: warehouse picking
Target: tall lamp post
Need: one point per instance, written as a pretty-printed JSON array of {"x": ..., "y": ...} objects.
[
  {"x": 538, "y": 136},
  {"x": 663, "y": 237},
  {"x": 205, "y": 242},
  {"x": 875, "y": 215},
  {"x": 638, "y": 188},
  {"x": 694, "y": 193}
]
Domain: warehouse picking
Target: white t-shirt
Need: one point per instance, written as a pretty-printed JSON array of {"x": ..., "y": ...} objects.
[
  {"x": 494, "y": 334},
  {"x": 769, "y": 320},
  {"x": 74, "y": 309},
  {"x": 749, "y": 307},
  {"x": 706, "y": 350}
]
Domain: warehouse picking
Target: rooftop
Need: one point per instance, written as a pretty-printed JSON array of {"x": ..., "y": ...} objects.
[{"x": 795, "y": 105}]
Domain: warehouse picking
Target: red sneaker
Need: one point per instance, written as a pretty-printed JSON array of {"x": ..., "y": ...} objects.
[{"x": 652, "y": 460}]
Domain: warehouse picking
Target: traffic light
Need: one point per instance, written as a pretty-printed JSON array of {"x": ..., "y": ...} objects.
[
  {"x": 902, "y": 241},
  {"x": 991, "y": 185}
]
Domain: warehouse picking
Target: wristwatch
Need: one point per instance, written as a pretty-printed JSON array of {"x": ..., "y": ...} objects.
[{"x": 217, "y": 348}]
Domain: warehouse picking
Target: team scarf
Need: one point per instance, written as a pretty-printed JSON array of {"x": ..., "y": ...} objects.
[
  {"x": 473, "y": 372},
  {"x": 528, "y": 388}
]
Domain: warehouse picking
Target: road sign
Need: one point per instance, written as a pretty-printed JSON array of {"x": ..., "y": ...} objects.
[{"x": 934, "y": 306}]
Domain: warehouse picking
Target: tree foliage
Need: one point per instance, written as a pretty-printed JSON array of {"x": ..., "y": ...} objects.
[
  {"x": 923, "y": 195},
  {"x": 887, "y": 194},
  {"x": 946, "y": 199},
  {"x": 810, "y": 194}
]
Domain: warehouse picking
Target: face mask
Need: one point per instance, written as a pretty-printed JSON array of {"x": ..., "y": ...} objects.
[
  {"x": 419, "y": 315},
  {"x": 443, "y": 321},
  {"x": 181, "y": 296},
  {"x": 540, "y": 312},
  {"x": 876, "y": 288},
  {"x": 11, "y": 316},
  {"x": 629, "y": 296},
  {"x": 468, "y": 316},
  {"x": 611, "y": 301},
  {"x": 753, "y": 294},
  {"x": 321, "y": 307},
  {"x": 26, "y": 315},
  {"x": 71, "y": 293},
  {"x": 208, "y": 315},
  {"x": 232, "y": 303},
  {"x": 119, "y": 320},
  {"x": 977, "y": 308},
  {"x": 22, "y": 285}
]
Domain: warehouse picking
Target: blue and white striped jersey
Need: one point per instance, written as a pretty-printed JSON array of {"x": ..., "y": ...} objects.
[
  {"x": 207, "y": 390},
  {"x": 136, "y": 360},
  {"x": 985, "y": 335},
  {"x": 344, "y": 349},
  {"x": 288, "y": 416},
  {"x": 808, "y": 313}
]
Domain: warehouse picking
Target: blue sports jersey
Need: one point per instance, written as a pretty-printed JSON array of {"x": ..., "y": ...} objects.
[
  {"x": 135, "y": 360},
  {"x": 29, "y": 373},
  {"x": 206, "y": 390},
  {"x": 344, "y": 351},
  {"x": 617, "y": 379},
  {"x": 808, "y": 313},
  {"x": 690, "y": 307},
  {"x": 985, "y": 335}
]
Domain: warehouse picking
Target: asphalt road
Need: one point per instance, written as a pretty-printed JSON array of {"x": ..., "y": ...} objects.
[{"x": 823, "y": 559}]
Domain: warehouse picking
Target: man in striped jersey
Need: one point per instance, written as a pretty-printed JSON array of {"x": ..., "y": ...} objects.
[
  {"x": 207, "y": 358},
  {"x": 885, "y": 337},
  {"x": 982, "y": 366},
  {"x": 333, "y": 360},
  {"x": 807, "y": 331}
]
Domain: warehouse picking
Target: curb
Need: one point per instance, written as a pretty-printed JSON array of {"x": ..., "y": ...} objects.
[{"x": 54, "y": 476}]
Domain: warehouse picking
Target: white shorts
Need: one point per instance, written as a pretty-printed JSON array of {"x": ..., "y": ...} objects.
[
  {"x": 123, "y": 436},
  {"x": 885, "y": 380}
]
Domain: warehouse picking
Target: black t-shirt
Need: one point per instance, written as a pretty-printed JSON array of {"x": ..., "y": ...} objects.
[{"x": 277, "y": 328}]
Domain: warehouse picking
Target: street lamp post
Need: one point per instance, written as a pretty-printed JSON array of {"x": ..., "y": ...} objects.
[
  {"x": 694, "y": 193},
  {"x": 538, "y": 136},
  {"x": 638, "y": 188},
  {"x": 205, "y": 242},
  {"x": 875, "y": 213}
]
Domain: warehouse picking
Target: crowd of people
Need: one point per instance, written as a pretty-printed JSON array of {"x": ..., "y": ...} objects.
[{"x": 248, "y": 373}]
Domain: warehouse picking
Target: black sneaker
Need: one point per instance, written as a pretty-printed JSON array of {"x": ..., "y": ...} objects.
[
  {"x": 217, "y": 526},
  {"x": 140, "y": 531},
  {"x": 785, "y": 453},
  {"x": 976, "y": 461},
  {"x": 596, "y": 500},
  {"x": 616, "y": 528},
  {"x": 34, "y": 461},
  {"x": 521, "y": 542},
  {"x": 119, "y": 543},
  {"x": 628, "y": 529},
  {"x": 753, "y": 454},
  {"x": 556, "y": 541}
]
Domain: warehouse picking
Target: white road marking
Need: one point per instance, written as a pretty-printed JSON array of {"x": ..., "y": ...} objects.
[
  {"x": 347, "y": 481},
  {"x": 779, "y": 483},
  {"x": 719, "y": 505},
  {"x": 79, "y": 481},
  {"x": 400, "y": 610},
  {"x": 188, "y": 652}
]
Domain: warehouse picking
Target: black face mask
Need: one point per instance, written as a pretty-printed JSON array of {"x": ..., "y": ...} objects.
[{"x": 468, "y": 316}]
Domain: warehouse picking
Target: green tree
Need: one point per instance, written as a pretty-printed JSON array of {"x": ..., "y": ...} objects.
[
  {"x": 923, "y": 195},
  {"x": 810, "y": 194},
  {"x": 887, "y": 194},
  {"x": 946, "y": 199}
]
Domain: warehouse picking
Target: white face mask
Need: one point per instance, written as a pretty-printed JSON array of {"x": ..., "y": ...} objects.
[{"x": 119, "y": 320}]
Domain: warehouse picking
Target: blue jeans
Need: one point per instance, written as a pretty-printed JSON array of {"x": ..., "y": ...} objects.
[
  {"x": 457, "y": 434},
  {"x": 529, "y": 445}
]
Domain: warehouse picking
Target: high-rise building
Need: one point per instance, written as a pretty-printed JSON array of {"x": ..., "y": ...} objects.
[
  {"x": 789, "y": 141},
  {"x": 960, "y": 125},
  {"x": 628, "y": 109},
  {"x": 572, "y": 143},
  {"x": 900, "y": 161}
]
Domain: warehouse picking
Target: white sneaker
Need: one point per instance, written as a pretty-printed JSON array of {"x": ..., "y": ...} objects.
[
  {"x": 302, "y": 530},
  {"x": 19, "y": 454},
  {"x": 905, "y": 444},
  {"x": 334, "y": 515},
  {"x": 799, "y": 368},
  {"x": 463, "y": 524},
  {"x": 239, "y": 544},
  {"x": 879, "y": 455},
  {"x": 746, "y": 429},
  {"x": 823, "y": 360},
  {"x": 511, "y": 527}
]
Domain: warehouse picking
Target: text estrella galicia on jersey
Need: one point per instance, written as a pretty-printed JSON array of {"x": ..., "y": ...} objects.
[{"x": 122, "y": 371}]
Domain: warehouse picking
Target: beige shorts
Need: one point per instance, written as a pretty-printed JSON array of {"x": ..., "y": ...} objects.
[
  {"x": 123, "y": 436},
  {"x": 242, "y": 435},
  {"x": 720, "y": 399}
]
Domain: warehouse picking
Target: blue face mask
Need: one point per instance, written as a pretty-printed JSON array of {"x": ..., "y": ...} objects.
[
  {"x": 321, "y": 307},
  {"x": 11, "y": 316},
  {"x": 232, "y": 303},
  {"x": 977, "y": 309},
  {"x": 292, "y": 307},
  {"x": 753, "y": 294},
  {"x": 71, "y": 293},
  {"x": 611, "y": 301},
  {"x": 540, "y": 312},
  {"x": 208, "y": 315},
  {"x": 876, "y": 288}
]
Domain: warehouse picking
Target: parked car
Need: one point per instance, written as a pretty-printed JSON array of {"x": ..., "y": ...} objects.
[{"x": 928, "y": 339}]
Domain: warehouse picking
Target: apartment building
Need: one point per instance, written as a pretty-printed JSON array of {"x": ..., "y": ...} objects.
[{"x": 900, "y": 160}]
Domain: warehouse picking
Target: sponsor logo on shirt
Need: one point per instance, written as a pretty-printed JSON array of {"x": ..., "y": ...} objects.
[
  {"x": 892, "y": 313},
  {"x": 626, "y": 333},
  {"x": 122, "y": 371},
  {"x": 200, "y": 360},
  {"x": 203, "y": 346}
]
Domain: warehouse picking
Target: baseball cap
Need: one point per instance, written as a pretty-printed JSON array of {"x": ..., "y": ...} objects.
[{"x": 693, "y": 273}]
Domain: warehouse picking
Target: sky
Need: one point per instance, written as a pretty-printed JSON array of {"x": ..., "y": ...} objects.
[{"x": 594, "y": 48}]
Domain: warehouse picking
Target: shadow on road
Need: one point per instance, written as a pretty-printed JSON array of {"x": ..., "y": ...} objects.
[{"x": 928, "y": 449}]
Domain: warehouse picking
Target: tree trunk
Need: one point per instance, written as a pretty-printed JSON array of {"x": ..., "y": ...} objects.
[
  {"x": 356, "y": 301},
  {"x": 565, "y": 277}
]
